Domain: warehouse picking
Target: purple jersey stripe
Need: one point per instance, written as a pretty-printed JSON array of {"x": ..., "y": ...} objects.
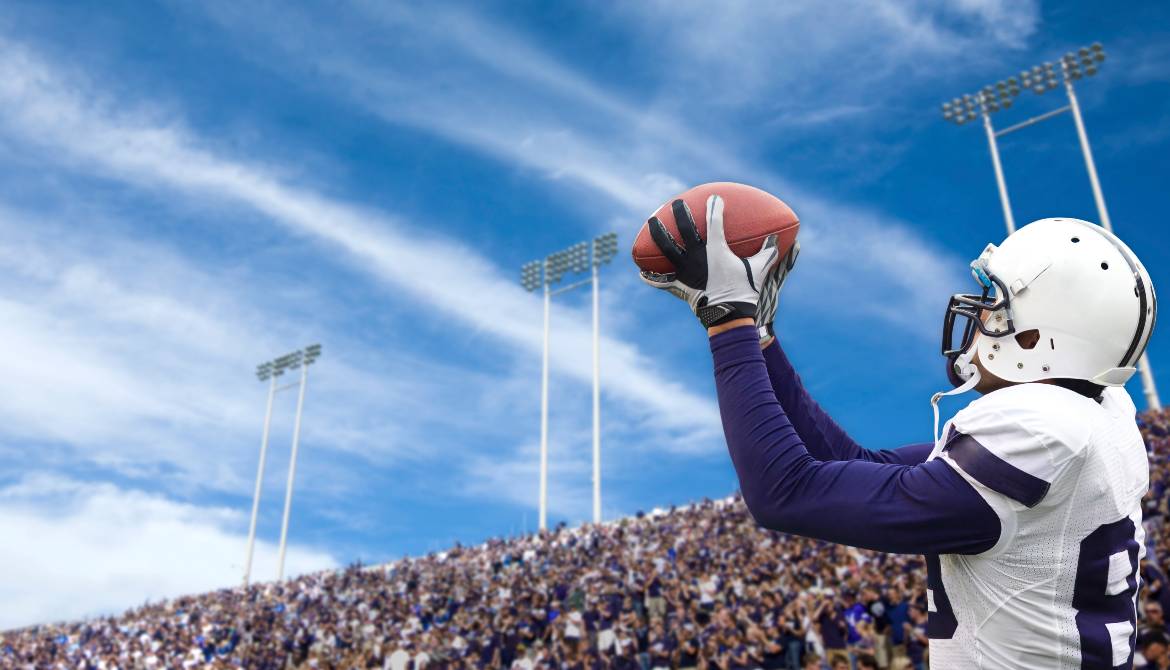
[{"x": 994, "y": 472}]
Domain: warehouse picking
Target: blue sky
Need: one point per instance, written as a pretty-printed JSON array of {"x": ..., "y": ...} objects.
[{"x": 191, "y": 188}]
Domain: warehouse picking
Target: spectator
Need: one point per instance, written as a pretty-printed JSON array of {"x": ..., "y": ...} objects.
[
  {"x": 916, "y": 637},
  {"x": 1152, "y": 621},
  {"x": 899, "y": 615},
  {"x": 866, "y": 662},
  {"x": 878, "y": 609},
  {"x": 832, "y": 629},
  {"x": 1151, "y": 653}
]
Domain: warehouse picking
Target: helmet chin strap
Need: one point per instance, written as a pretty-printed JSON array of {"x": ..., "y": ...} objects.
[{"x": 969, "y": 372}]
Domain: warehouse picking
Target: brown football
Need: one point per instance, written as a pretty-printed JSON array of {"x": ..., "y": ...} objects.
[{"x": 749, "y": 216}]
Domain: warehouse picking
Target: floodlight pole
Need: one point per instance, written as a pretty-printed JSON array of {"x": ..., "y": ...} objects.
[
  {"x": 259, "y": 481},
  {"x": 543, "y": 522},
  {"x": 292, "y": 469},
  {"x": 1149, "y": 388},
  {"x": 1090, "y": 166},
  {"x": 596, "y": 394},
  {"x": 999, "y": 180},
  {"x": 579, "y": 257}
]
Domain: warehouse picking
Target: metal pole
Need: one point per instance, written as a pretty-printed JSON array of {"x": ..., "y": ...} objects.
[
  {"x": 292, "y": 472},
  {"x": 1098, "y": 197},
  {"x": 1149, "y": 389},
  {"x": 259, "y": 481},
  {"x": 544, "y": 416},
  {"x": 999, "y": 180},
  {"x": 596, "y": 398}
]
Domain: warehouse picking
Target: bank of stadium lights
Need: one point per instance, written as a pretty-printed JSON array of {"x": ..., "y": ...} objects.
[
  {"x": 543, "y": 274},
  {"x": 271, "y": 371},
  {"x": 1040, "y": 79},
  {"x": 604, "y": 248}
]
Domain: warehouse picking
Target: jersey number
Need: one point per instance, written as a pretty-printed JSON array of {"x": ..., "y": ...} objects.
[{"x": 1104, "y": 595}]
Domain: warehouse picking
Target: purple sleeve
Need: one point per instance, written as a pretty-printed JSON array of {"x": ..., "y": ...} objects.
[
  {"x": 823, "y": 438},
  {"x": 926, "y": 508}
]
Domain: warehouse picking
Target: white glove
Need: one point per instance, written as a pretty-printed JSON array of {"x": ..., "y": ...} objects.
[
  {"x": 770, "y": 293},
  {"x": 718, "y": 285}
]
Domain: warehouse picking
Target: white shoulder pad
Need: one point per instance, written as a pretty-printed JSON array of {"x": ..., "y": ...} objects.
[{"x": 1019, "y": 439}]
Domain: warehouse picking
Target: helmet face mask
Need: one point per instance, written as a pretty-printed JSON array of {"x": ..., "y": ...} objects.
[{"x": 966, "y": 311}]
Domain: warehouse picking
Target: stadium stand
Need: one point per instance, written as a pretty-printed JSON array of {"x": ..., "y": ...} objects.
[{"x": 691, "y": 587}]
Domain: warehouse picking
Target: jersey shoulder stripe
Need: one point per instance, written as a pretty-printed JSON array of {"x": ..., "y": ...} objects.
[
  {"x": 1039, "y": 429},
  {"x": 994, "y": 472}
]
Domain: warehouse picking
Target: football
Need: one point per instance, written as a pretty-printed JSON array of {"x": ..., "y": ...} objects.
[{"x": 749, "y": 216}]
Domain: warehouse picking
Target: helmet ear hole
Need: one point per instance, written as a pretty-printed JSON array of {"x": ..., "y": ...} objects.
[{"x": 1028, "y": 338}]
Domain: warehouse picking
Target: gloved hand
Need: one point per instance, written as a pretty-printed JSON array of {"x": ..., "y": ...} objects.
[
  {"x": 718, "y": 285},
  {"x": 770, "y": 293}
]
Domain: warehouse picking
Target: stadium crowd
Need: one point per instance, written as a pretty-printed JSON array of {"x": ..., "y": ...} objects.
[{"x": 699, "y": 587}]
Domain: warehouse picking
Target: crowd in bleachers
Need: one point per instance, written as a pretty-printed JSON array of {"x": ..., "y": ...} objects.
[{"x": 695, "y": 587}]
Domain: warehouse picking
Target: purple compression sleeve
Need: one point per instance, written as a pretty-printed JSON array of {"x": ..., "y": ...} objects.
[
  {"x": 926, "y": 508},
  {"x": 823, "y": 438}
]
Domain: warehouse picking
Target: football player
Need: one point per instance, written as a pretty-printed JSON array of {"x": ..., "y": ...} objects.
[{"x": 1027, "y": 505}]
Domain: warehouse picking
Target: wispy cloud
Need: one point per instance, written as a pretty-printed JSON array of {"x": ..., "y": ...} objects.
[
  {"x": 515, "y": 476},
  {"x": 1143, "y": 63},
  {"x": 581, "y": 133},
  {"x": 139, "y": 361},
  {"x": 61, "y": 114},
  {"x": 100, "y": 548},
  {"x": 746, "y": 54}
]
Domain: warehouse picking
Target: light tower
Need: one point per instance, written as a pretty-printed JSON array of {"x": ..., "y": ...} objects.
[
  {"x": 543, "y": 274},
  {"x": 269, "y": 371}
]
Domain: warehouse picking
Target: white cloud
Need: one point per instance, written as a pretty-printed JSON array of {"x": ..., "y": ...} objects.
[
  {"x": 817, "y": 54},
  {"x": 515, "y": 478},
  {"x": 1010, "y": 22},
  {"x": 77, "y": 549},
  {"x": 578, "y": 132},
  {"x": 62, "y": 114},
  {"x": 1141, "y": 63},
  {"x": 138, "y": 360}
]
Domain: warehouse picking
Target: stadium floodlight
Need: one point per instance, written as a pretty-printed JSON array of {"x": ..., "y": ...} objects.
[
  {"x": 530, "y": 276},
  {"x": 312, "y": 353},
  {"x": 269, "y": 371},
  {"x": 604, "y": 248},
  {"x": 578, "y": 258},
  {"x": 1042, "y": 78}
]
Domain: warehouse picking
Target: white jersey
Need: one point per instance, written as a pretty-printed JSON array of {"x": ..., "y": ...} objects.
[{"x": 1066, "y": 475}]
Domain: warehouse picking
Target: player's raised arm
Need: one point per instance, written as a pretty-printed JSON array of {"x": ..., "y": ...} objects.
[
  {"x": 926, "y": 508},
  {"x": 823, "y": 437},
  {"x": 878, "y": 506}
]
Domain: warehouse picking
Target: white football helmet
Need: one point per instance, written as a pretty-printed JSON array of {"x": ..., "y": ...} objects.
[{"x": 1062, "y": 299}]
